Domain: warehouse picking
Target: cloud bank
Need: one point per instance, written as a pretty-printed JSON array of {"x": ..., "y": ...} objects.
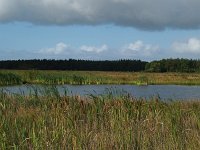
[
  {"x": 134, "y": 50},
  {"x": 138, "y": 49},
  {"x": 143, "y": 14}
]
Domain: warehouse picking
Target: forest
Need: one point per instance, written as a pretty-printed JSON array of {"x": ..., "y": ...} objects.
[
  {"x": 173, "y": 65},
  {"x": 164, "y": 65},
  {"x": 72, "y": 64}
]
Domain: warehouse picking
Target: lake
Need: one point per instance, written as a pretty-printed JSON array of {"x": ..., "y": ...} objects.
[{"x": 164, "y": 91}]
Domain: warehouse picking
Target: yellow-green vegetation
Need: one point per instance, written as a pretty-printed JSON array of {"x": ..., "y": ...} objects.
[
  {"x": 52, "y": 121},
  {"x": 9, "y": 77}
]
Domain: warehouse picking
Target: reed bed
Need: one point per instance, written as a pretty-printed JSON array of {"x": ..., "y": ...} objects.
[
  {"x": 48, "y": 120},
  {"x": 11, "y": 77}
]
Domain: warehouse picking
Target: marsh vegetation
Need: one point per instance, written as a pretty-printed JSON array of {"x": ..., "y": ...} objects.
[
  {"x": 52, "y": 121},
  {"x": 12, "y": 77}
]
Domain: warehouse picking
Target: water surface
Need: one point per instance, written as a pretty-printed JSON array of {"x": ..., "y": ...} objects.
[{"x": 163, "y": 91}]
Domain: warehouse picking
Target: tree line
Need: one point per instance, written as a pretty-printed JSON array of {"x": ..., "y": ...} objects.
[
  {"x": 173, "y": 65},
  {"x": 72, "y": 64},
  {"x": 164, "y": 65}
]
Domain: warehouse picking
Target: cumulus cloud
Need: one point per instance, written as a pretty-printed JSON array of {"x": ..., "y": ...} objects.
[
  {"x": 60, "y": 48},
  {"x": 94, "y": 49},
  {"x": 139, "y": 48},
  {"x": 143, "y": 14},
  {"x": 63, "y": 50},
  {"x": 192, "y": 46}
]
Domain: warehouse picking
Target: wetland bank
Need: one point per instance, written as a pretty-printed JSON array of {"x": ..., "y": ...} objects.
[{"x": 16, "y": 77}]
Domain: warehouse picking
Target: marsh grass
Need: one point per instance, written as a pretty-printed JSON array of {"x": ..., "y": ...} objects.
[
  {"x": 51, "y": 121},
  {"x": 9, "y": 77},
  {"x": 142, "y": 80}
]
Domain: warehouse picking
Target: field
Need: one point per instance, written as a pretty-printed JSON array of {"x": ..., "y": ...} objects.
[
  {"x": 51, "y": 121},
  {"x": 11, "y": 77}
]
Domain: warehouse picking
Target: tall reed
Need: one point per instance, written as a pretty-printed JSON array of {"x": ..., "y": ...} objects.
[
  {"x": 96, "y": 77},
  {"x": 9, "y": 79},
  {"x": 47, "y": 120}
]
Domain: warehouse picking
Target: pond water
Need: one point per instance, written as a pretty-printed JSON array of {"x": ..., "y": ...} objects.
[{"x": 163, "y": 91}]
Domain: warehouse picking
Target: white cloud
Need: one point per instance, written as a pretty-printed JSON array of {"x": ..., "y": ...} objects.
[
  {"x": 135, "y": 50},
  {"x": 143, "y": 14},
  {"x": 192, "y": 46},
  {"x": 94, "y": 49},
  {"x": 139, "y": 48},
  {"x": 60, "y": 48}
]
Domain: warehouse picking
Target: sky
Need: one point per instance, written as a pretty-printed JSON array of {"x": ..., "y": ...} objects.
[{"x": 99, "y": 29}]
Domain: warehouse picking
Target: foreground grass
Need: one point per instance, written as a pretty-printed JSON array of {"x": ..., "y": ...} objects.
[
  {"x": 51, "y": 121},
  {"x": 10, "y": 77}
]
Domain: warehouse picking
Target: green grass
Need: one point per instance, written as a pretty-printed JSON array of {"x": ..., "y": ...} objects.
[
  {"x": 11, "y": 77},
  {"x": 52, "y": 121}
]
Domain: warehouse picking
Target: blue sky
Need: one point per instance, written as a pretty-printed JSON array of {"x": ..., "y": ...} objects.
[{"x": 88, "y": 30}]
